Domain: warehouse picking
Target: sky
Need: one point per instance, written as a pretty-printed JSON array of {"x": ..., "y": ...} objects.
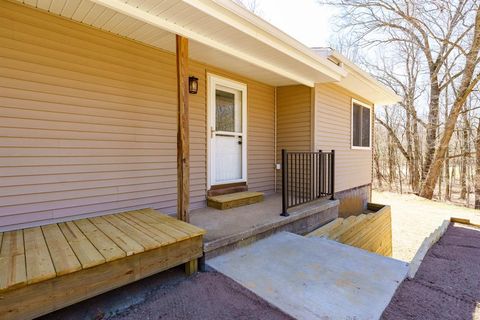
[{"x": 304, "y": 20}]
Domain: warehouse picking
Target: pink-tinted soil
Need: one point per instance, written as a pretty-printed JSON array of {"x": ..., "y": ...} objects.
[
  {"x": 173, "y": 295},
  {"x": 447, "y": 284},
  {"x": 207, "y": 295}
]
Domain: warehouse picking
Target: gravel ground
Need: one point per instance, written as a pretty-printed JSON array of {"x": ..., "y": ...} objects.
[
  {"x": 447, "y": 284},
  {"x": 208, "y": 295},
  {"x": 414, "y": 218}
]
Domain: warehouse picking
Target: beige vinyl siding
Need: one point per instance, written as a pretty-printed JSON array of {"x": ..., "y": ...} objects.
[
  {"x": 294, "y": 121},
  {"x": 261, "y": 141},
  {"x": 88, "y": 123},
  {"x": 294, "y": 114},
  {"x": 353, "y": 167}
]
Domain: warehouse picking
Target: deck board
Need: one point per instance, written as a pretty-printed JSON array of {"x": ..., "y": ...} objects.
[
  {"x": 12, "y": 259},
  {"x": 166, "y": 226},
  {"x": 127, "y": 244},
  {"x": 64, "y": 260},
  {"x": 85, "y": 251},
  {"x": 39, "y": 264},
  {"x": 109, "y": 250},
  {"x": 146, "y": 242},
  {"x": 177, "y": 224},
  {"x": 151, "y": 231}
]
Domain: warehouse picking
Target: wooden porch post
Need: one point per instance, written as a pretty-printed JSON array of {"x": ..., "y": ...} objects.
[{"x": 183, "y": 140}]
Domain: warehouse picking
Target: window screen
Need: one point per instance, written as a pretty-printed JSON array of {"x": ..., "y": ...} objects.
[{"x": 360, "y": 126}]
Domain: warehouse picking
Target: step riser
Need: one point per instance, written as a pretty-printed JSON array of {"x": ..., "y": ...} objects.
[
  {"x": 312, "y": 220},
  {"x": 219, "y": 192},
  {"x": 234, "y": 203}
]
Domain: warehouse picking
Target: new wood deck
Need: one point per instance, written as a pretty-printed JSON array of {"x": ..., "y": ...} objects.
[
  {"x": 46, "y": 268},
  {"x": 371, "y": 231}
]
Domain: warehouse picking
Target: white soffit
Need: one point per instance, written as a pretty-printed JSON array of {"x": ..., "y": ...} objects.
[{"x": 222, "y": 34}]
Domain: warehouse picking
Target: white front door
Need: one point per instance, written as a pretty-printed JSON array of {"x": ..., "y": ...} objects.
[{"x": 227, "y": 131}]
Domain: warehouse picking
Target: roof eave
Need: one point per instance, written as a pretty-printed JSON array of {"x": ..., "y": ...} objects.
[
  {"x": 245, "y": 21},
  {"x": 387, "y": 94}
]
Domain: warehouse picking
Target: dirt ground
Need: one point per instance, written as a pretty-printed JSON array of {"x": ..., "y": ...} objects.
[
  {"x": 171, "y": 295},
  {"x": 446, "y": 285},
  {"x": 208, "y": 295},
  {"x": 414, "y": 218}
]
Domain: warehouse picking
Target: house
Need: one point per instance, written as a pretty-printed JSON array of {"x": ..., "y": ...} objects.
[
  {"x": 91, "y": 101},
  {"x": 89, "y": 106}
]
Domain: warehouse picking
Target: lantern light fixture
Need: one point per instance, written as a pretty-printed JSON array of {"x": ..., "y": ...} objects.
[{"x": 192, "y": 85}]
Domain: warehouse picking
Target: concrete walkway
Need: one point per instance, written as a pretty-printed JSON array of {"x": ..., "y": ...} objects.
[{"x": 314, "y": 278}]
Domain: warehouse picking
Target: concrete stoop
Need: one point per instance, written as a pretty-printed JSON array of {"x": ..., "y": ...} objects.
[
  {"x": 314, "y": 278},
  {"x": 302, "y": 221}
]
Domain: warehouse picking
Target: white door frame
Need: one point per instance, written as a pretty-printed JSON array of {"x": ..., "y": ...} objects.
[{"x": 212, "y": 82}]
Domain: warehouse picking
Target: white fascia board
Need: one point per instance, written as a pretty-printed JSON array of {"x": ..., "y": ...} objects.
[
  {"x": 390, "y": 97},
  {"x": 164, "y": 24},
  {"x": 246, "y": 22},
  {"x": 373, "y": 91}
]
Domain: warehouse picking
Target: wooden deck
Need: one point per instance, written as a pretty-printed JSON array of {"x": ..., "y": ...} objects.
[{"x": 45, "y": 268}]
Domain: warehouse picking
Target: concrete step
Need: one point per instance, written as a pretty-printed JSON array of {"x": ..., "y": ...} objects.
[
  {"x": 240, "y": 227},
  {"x": 233, "y": 200}
]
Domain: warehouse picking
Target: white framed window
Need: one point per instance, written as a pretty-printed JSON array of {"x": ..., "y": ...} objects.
[{"x": 361, "y": 125}]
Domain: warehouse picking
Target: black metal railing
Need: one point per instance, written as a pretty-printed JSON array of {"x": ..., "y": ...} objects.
[{"x": 306, "y": 176}]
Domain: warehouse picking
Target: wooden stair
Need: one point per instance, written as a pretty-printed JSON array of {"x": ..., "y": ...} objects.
[
  {"x": 233, "y": 200},
  {"x": 371, "y": 231}
]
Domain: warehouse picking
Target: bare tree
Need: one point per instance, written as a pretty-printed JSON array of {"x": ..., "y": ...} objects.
[
  {"x": 470, "y": 78},
  {"x": 446, "y": 32},
  {"x": 251, "y": 5},
  {"x": 477, "y": 167},
  {"x": 403, "y": 78}
]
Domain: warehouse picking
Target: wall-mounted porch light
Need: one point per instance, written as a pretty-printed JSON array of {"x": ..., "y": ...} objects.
[{"x": 192, "y": 85}]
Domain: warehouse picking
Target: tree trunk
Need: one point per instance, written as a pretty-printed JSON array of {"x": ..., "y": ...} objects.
[
  {"x": 400, "y": 177},
  {"x": 391, "y": 161},
  {"x": 432, "y": 126},
  {"x": 467, "y": 84},
  {"x": 376, "y": 161},
  {"x": 417, "y": 161},
  {"x": 447, "y": 177},
  {"x": 447, "y": 159},
  {"x": 464, "y": 150},
  {"x": 477, "y": 169}
]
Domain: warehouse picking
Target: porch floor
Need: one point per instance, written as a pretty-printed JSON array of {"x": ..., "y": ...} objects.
[
  {"x": 55, "y": 265},
  {"x": 226, "y": 227}
]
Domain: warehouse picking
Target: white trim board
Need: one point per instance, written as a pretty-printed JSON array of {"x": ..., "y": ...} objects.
[{"x": 363, "y": 104}]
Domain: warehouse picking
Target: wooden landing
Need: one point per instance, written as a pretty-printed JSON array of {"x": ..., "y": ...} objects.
[
  {"x": 372, "y": 231},
  {"x": 49, "y": 267},
  {"x": 233, "y": 200}
]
